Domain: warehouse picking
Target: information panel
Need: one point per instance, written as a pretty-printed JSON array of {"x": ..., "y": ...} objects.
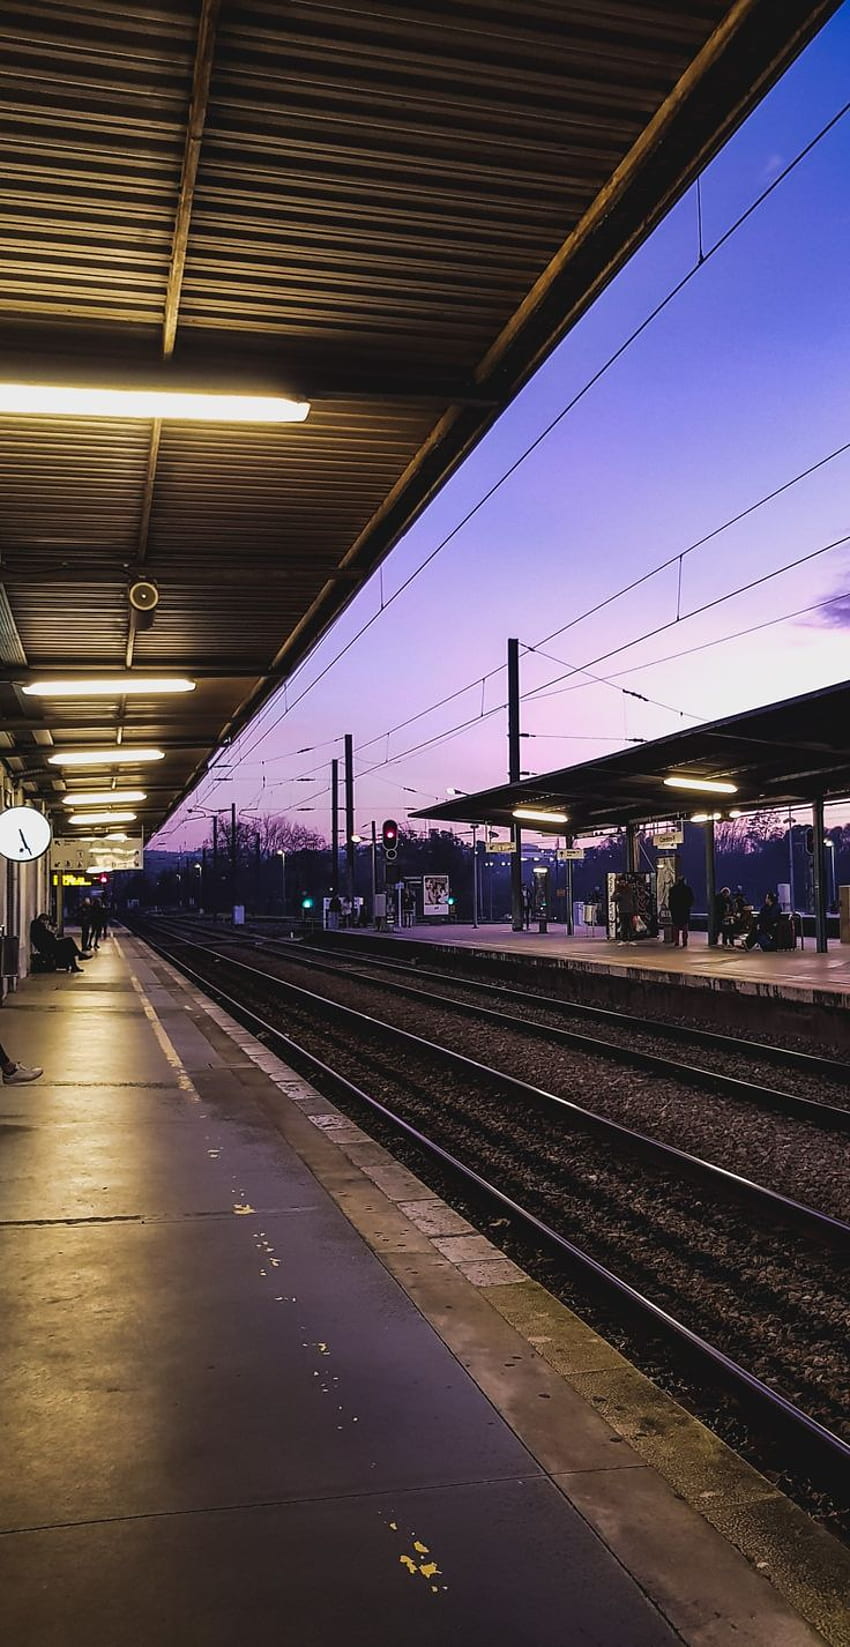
[{"x": 76, "y": 856}]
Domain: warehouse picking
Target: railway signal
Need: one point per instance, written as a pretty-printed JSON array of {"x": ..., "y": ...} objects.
[{"x": 389, "y": 836}]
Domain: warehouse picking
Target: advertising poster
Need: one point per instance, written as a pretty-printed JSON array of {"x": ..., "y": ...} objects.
[
  {"x": 631, "y": 906},
  {"x": 435, "y": 895}
]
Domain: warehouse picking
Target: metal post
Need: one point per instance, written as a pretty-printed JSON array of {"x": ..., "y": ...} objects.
[
  {"x": 475, "y": 874},
  {"x": 215, "y": 868},
  {"x": 791, "y": 887},
  {"x": 818, "y": 876},
  {"x": 374, "y": 868},
  {"x": 258, "y": 869},
  {"x": 569, "y": 923},
  {"x": 334, "y": 827},
  {"x": 233, "y": 858},
  {"x": 349, "y": 815},
  {"x": 632, "y": 848},
  {"x": 282, "y": 856},
  {"x": 710, "y": 880},
  {"x": 513, "y": 777},
  {"x": 205, "y": 898}
]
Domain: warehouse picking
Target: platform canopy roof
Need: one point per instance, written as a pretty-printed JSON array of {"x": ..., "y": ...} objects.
[
  {"x": 780, "y": 755},
  {"x": 392, "y": 210}
]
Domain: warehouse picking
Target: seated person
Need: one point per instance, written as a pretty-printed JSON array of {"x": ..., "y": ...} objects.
[
  {"x": 741, "y": 919},
  {"x": 60, "y": 953},
  {"x": 767, "y": 920}
]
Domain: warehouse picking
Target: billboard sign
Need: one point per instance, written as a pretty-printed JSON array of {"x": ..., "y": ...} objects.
[{"x": 435, "y": 895}]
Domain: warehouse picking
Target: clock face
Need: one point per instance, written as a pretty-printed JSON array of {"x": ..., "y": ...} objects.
[{"x": 24, "y": 834}]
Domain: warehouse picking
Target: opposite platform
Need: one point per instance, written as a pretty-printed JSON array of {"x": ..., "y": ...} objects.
[{"x": 228, "y": 1419}]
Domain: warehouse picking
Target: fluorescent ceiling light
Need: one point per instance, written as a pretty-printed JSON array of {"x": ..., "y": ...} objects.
[
  {"x": 107, "y": 686},
  {"x": 706, "y": 786},
  {"x": 55, "y": 400},
  {"x": 106, "y": 797},
  {"x": 116, "y": 754},
  {"x": 534, "y": 815},
  {"x": 116, "y": 835},
  {"x": 101, "y": 817},
  {"x": 706, "y": 817}
]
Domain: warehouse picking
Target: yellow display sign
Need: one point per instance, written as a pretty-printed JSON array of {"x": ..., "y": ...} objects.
[{"x": 71, "y": 880}]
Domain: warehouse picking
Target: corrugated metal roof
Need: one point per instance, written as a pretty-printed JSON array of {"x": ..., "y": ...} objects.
[{"x": 392, "y": 209}]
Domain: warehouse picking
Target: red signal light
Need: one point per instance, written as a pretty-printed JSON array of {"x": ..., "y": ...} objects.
[{"x": 389, "y": 836}]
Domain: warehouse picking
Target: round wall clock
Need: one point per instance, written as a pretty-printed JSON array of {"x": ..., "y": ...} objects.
[{"x": 24, "y": 834}]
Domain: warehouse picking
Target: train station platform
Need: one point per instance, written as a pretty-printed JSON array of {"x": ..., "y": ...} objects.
[
  {"x": 798, "y": 991},
  {"x": 258, "y": 1384}
]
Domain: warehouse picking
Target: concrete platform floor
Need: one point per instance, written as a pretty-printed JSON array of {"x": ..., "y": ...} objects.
[
  {"x": 223, "y": 1420},
  {"x": 795, "y": 973}
]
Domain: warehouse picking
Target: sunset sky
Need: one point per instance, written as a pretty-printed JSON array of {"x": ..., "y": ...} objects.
[{"x": 739, "y": 385}]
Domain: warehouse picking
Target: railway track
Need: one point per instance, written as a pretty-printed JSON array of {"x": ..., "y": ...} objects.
[
  {"x": 815, "y": 1445},
  {"x": 816, "y": 1111}
]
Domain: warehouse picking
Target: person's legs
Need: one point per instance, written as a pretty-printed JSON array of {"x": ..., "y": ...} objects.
[
  {"x": 675, "y": 932},
  {"x": 16, "y": 1074},
  {"x": 66, "y": 954},
  {"x": 685, "y": 937}
]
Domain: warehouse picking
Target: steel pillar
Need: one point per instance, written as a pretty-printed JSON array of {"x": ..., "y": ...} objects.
[
  {"x": 632, "y": 848},
  {"x": 710, "y": 879},
  {"x": 818, "y": 875}
]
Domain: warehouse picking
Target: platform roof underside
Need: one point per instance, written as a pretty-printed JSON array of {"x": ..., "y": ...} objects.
[{"x": 392, "y": 210}]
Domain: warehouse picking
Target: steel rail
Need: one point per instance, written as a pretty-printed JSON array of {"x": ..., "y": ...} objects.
[
  {"x": 823, "y": 1455},
  {"x": 827, "y": 1116},
  {"x": 810, "y": 1063},
  {"x": 832, "y": 1232}
]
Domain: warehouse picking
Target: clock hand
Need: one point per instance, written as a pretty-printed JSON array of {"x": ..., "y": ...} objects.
[{"x": 24, "y": 839}]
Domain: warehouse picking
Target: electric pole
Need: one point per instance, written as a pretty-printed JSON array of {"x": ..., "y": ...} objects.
[
  {"x": 334, "y": 827},
  {"x": 349, "y": 814},
  {"x": 513, "y": 777}
]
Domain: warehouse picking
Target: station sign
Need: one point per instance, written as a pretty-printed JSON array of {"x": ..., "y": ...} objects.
[
  {"x": 668, "y": 839},
  {"x": 570, "y": 854},
  {"x": 499, "y": 846},
  {"x": 79, "y": 856}
]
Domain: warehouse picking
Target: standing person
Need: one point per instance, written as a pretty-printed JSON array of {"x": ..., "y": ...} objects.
[
  {"x": 681, "y": 903},
  {"x": 527, "y": 901},
  {"x": 97, "y": 922},
  {"x": 723, "y": 916},
  {"x": 86, "y": 922},
  {"x": 624, "y": 903}
]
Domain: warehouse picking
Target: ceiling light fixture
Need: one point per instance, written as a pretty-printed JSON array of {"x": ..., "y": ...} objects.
[
  {"x": 105, "y": 797},
  {"x": 101, "y": 817},
  {"x": 533, "y": 814},
  {"x": 703, "y": 786},
  {"x": 118, "y": 755},
  {"x": 58, "y": 400},
  {"x": 107, "y": 686},
  {"x": 706, "y": 817}
]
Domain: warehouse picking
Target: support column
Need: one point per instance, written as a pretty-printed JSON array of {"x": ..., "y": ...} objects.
[
  {"x": 818, "y": 875},
  {"x": 632, "y": 848},
  {"x": 513, "y": 777},
  {"x": 334, "y": 827},
  {"x": 710, "y": 879},
  {"x": 475, "y": 874},
  {"x": 349, "y": 815}
]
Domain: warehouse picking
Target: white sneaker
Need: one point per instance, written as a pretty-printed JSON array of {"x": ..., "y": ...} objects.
[{"x": 20, "y": 1074}]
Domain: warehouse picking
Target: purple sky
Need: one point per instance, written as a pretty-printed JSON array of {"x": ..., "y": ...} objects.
[{"x": 740, "y": 384}]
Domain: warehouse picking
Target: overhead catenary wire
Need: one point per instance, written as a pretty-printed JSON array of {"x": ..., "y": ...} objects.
[{"x": 526, "y": 453}]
